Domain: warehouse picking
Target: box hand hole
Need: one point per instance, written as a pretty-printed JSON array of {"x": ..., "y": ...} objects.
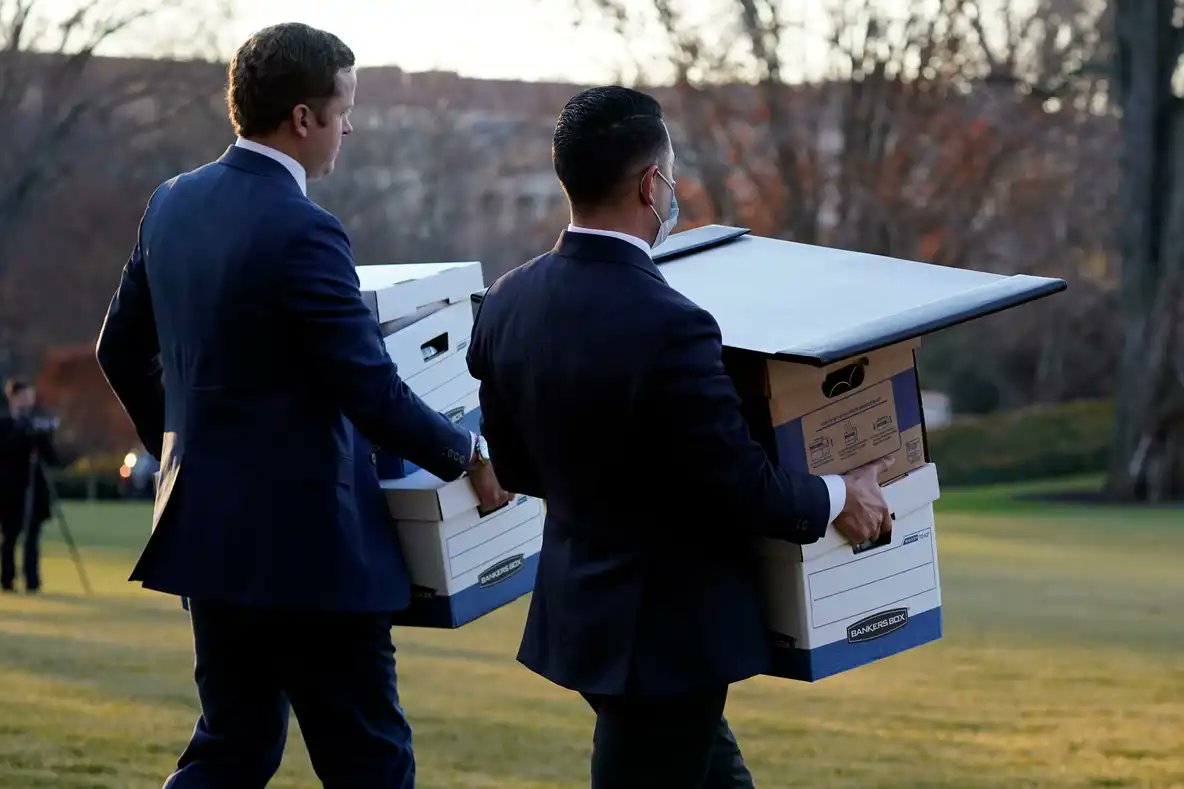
[
  {"x": 434, "y": 347},
  {"x": 879, "y": 542},
  {"x": 845, "y": 379}
]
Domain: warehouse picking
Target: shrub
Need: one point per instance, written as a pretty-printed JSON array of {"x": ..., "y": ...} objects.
[{"x": 1028, "y": 443}]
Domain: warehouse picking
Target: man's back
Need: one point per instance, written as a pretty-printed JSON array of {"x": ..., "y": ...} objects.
[
  {"x": 267, "y": 494},
  {"x": 239, "y": 343},
  {"x": 603, "y": 390}
]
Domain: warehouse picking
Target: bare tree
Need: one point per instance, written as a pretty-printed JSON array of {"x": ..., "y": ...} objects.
[
  {"x": 1148, "y": 460},
  {"x": 962, "y": 132},
  {"x": 424, "y": 183},
  {"x": 903, "y": 109},
  {"x": 58, "y": 99}
]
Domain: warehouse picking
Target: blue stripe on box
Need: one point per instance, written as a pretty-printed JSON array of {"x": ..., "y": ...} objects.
[
  {"x": 791, "y": 440},
  {"x": 449, "y": 611},
  {"x": 839, "y": 656},
  {"x": 791, "y": 446},
  {"x": 907, "y": 394}
]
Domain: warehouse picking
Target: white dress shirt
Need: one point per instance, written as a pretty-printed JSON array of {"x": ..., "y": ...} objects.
[
  {"x": 292, "y": 166},
  {"x": 834, "y": 483},
  {"x": 634, "y": 240}
]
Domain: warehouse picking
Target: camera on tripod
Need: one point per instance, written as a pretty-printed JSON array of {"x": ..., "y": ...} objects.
[{"x": 42, "y": 425}]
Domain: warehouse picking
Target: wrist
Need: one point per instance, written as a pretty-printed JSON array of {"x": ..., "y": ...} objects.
[{"x": 480, "y": 452}]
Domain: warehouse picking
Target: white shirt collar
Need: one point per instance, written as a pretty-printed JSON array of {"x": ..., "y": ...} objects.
[
  {"x": 292, "y": 166},
  {"x": 634, "y": 240}
]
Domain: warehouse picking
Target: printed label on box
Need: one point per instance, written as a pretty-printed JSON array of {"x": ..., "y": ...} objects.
[
  {"x": 854, "y": 430},
  {"x": 915, "y": 449}
]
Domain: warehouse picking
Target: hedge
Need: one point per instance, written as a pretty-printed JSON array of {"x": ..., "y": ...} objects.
[{"x": 1028, "y": 443}]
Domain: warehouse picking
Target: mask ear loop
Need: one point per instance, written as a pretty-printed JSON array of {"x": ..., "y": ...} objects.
[{"x": 650, "y": 205}]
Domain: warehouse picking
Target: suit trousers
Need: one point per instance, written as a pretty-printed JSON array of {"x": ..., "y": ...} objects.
[
  {"x": 11, "y": 526},
  {"x": 665, "y": 742},
  {"x": 336, "y": 671}
]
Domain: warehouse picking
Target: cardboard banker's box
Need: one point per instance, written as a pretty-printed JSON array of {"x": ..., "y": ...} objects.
[
  {"x": 829, "y": 420},
  {"x": 422, "y": 349},
  {"x": 831, "y": 606},
  {"x": 820, "y": 343},
  {"x": 401, "y": 293},
  {"x": 429, "y": 348},
  {"x": 462, "y": 564}
]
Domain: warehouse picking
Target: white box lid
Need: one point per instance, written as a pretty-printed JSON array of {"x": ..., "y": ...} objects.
[
  {"x": 819, "y": 305},
  {"x": 394, "y": 291}
]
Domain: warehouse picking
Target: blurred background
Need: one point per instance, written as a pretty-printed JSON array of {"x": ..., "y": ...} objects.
[
  {"x": 1014, "y": 136},
  {"x": 1009, "y": 136}
]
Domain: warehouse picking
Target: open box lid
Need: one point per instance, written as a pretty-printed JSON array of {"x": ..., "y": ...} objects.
[
  {"x": 400, "y": 290},
  {"x": 818, "y": 305}
]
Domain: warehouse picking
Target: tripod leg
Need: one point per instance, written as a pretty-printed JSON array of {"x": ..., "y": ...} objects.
[{"x": 55, "y": 505}]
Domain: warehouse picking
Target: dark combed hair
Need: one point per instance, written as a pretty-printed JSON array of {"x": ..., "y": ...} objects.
[
  {"x": 279, "y": 68},
  {"x": 601, "y": 137}
]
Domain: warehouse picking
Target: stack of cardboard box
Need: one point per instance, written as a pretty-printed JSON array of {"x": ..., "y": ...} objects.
[
  {"x": 462, "y": 564},
  {"x": 821, "y": 345}
]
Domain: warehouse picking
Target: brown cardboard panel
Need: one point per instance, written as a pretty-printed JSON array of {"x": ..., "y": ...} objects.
[
  {"x": 807, "y": 383},
  {"x": 852, "y": 430},
  {"x": 910, "y": 456}
]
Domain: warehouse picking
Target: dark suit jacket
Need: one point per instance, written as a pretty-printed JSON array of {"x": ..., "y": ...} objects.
[
  {"x": 604, "y": 391},
  {"x": 16, "y": 447},
  {"x": 241, "y": 348}
]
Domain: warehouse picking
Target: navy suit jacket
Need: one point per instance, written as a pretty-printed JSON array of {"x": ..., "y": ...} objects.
[
  {"x": 239, "y": 344},
  {"x": 603, "y": 390}
]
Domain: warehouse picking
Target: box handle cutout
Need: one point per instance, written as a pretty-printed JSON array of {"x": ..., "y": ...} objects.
[
  {"x": 434, "y": 347},
  {"x": 845, "y": 379},
  {"x": 515, "y": 501},
  {"x": 879, "y": 542}
]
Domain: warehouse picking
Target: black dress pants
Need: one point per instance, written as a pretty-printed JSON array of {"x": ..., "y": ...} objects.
[{"x": 665, "y": 742}]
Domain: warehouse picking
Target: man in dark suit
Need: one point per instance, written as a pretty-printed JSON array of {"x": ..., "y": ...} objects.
[
  {"x": 604, "y": 391},
  {"x": 25, "y": 448},
  {"x": 239, "y": 343}
]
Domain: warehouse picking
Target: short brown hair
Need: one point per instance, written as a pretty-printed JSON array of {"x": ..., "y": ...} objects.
[
  {"x": 15, "y": 385},
  {"x": 279, "y": 68}
]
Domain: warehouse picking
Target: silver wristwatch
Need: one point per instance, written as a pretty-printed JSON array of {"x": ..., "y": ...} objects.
[{"x": 480, "y": 451}]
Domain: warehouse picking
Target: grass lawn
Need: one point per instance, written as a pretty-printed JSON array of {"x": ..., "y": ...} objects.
[{"x": 1063, "y": 665}]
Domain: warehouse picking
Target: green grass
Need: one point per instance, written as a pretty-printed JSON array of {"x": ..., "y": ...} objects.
[{"x": 1063, "y": 665}]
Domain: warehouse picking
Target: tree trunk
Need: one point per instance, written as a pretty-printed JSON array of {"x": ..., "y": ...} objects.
[{"x": 1148, "y": 442}]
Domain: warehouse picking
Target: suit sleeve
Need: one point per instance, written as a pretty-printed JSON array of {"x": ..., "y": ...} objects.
[
  {"x": 128, "y": 352},
  {"x": 511, "y": 460},
  {"x": 696, "y": 415},
  {"x": 343, "y": 345}
]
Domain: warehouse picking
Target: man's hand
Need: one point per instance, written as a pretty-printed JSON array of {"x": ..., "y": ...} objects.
[
  {"x": 865, "y": 516},
  {"x": 488, "y": 489}
]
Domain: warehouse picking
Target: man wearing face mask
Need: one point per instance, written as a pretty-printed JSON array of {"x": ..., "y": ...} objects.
[{"x": 603, "y": 391}]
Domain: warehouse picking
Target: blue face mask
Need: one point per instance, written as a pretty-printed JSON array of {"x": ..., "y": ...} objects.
[{"x": 665, "y": 226}]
